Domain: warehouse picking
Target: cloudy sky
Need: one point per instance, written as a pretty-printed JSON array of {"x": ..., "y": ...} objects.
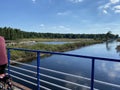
[{"x": 61, "y": 16}]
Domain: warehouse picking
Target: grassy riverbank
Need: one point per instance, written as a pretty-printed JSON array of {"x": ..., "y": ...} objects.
[{"x": 26, "y": 56}]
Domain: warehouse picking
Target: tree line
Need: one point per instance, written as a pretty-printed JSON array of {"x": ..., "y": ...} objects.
[{"x": 13, "y": 34}]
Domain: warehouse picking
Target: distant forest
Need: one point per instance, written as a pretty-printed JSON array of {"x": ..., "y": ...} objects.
[{"x": 13, "y": 34}]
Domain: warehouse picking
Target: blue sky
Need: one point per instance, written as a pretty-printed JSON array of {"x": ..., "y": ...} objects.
[{"x": 61, "y": 16}]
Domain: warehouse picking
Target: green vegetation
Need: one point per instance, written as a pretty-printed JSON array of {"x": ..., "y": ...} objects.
[
  {"x": 25, "y": 56},
  {"x": 109, "y": 36},
  {"x": 63, "y": 47},
  {"x": 17, "y": 37},
  {"x": 14, "y": 34}
]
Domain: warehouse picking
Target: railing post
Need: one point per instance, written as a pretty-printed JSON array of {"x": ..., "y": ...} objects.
[
  {"x": 38, "y": 70},
  {"x": 92, "y": 73},
  {"x": 8, "y": 55}
]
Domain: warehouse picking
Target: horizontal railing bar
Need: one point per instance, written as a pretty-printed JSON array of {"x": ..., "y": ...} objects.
[
  {"x": 23, "y": 74},
  {"x": 23, "y": 80},
  {"x": 44, "y": 87},
  {"x": 110, "y": 84},
  {"x": 98, "y": 81},
  {"x": 102, "y": 82},
  {"x": 52, "y": 78},
  {"x": 23, "y": 69},
  {"x": 81, "y": 77},
  {"x": 59, "y": 53},
  {"x": 45, "y": 81},
  {"x": 53, "y": 84},
  {"x": 50, "y": 70},
  {"x": 64, "y": 73},
  {"x": 24, "y": 64},
  {"x": 65, "y": 81},
  {"x": 30, "y": 82}
]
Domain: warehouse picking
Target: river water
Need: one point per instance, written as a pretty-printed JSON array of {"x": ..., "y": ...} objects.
[{"x": 104, "y": 70}]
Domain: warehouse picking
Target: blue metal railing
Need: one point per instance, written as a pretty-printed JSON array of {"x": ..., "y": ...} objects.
[{"x": 93, "y": 59}]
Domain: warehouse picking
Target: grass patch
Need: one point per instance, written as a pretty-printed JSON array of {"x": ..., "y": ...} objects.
[{"x": 26, "y": 56}]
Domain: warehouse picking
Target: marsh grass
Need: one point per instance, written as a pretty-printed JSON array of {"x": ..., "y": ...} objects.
[{"x": 26, "y": 56}]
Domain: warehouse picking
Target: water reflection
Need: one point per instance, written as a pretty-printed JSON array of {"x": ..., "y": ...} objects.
[
  {"x": 113, "y": 45},
  {"x": 81, "y": 83},
  {"x": 111, "y": 69},
  {"x": 104, "y": 71},
  {"x": 108, "y": 47},
  {"x": 118, "y": 49},
  {"x": 55, "y": 42}
]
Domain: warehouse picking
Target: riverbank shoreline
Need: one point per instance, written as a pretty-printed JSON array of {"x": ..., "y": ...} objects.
[{"x": 22, "y": 56}]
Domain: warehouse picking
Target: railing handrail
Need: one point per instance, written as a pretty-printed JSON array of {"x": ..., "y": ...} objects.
[
  {"x": 92, "y": 58},
  {"x": 62, "y": 53},
  {"x": 58, "y": 72}
]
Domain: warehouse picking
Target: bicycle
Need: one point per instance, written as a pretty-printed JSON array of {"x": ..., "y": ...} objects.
[{"x": 6, "y": 83}]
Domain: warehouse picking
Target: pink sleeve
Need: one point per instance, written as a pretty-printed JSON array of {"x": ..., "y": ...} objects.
[{"x": 3, "y": 54}]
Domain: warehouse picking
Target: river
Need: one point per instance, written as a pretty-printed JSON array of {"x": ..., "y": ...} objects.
[{"x": 104, "y": 70}]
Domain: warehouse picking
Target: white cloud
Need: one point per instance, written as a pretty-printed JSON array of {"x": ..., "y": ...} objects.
[
  {"x": 105, "y": 12},
  {"x": 116, "y": 9},
  {"x": 42, "y": 25},
  {"x": 107, "y": 5},
  {"x": 63, "y": 27},
  {"x": 55, "y": 29},
  {"x": 85, "y": 21},
  {"x": 75, "y": 1},
  {"x": 34, "y": 1},
  {"x": 64, "y": 13},
  {"x": 114, "y": 1},
  {"x": 108, "y": 28},
  {"x": 112, "y": 5}
]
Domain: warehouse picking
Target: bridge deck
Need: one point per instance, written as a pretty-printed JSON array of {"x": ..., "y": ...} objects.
[{"x": 18, "y": 86}]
